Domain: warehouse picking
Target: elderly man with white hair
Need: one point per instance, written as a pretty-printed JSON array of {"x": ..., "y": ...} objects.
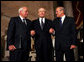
[{"x": 18, "y": 36}]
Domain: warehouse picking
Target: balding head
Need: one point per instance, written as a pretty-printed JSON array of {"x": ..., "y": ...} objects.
[{"x": 23, "y": 11}]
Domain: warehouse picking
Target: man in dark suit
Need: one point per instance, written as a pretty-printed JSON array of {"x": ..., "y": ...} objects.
[
  {"x": 43, "y": 41},
  {"x": 65, "y": 35},
  {"x": 18, "y": 36}
]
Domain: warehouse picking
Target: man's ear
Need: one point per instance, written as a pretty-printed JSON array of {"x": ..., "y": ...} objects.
[{"x": 62, "y": 11}]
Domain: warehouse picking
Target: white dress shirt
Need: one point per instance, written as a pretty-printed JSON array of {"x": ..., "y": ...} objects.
[
  {"x": 62, "y": 18},
  {"x": 41, "y": 19},
  {"x": 22, "y": 19}
]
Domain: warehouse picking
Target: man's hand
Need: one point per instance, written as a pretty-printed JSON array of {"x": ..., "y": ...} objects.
[
  {"x": 32, "y": 32},
  {"x": 51, "y": 30},
  {"x": 12, "y": 47},
  {"x": 72, "y": 47}
]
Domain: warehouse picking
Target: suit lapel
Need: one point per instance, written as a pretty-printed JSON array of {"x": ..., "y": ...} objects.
[
  {"x": 65, "y": 20},
  {"x": 38, "y": 23},
  {"x": 20, "y": 21},
  {"x": 45, "y": 24}
]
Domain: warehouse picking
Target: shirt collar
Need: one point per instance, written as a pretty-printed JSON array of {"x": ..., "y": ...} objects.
[
  {"x": 43, "y": 19},
  {"x": 63, "y": 17},
  {"x": 21, "y": 18}
]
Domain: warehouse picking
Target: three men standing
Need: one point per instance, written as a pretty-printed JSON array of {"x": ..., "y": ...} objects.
[{"x": 21, "y": 29}]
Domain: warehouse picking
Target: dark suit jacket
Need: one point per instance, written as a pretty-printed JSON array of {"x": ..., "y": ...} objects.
[
  {"x": 18, "y": 33},
  {"x": 42, "y": 37},
  {"x": 66, "y": 35}
]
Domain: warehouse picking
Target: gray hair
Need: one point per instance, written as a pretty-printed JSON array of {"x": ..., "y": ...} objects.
[
  {"x": 42, "y": 8},
  {"x": 20, "y": 9}
]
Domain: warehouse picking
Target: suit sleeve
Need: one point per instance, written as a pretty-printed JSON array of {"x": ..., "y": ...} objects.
[
  {"x": 73, "y": 32},
  {"x": 32, "y": 27},
  {"x": 54, "y": 22},
  {"x": 10, "y": 32},
  {"x": 53, "y": 26}
]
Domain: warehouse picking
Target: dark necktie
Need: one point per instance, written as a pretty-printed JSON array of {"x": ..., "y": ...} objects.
[
  {"x": 42, "y": 24},
  {"x": 24, "y": 21},
  {"x": 60, "y": 22}
]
